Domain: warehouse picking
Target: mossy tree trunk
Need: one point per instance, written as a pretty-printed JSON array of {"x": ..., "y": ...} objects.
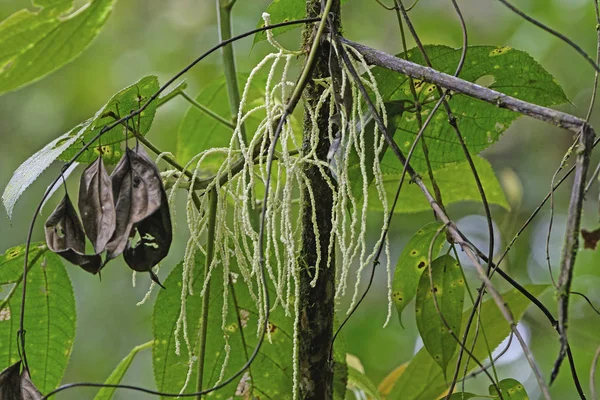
[{"x": 315, "y": 329}]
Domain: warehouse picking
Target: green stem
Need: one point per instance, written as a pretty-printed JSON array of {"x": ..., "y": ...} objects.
[
  {"x": 224, "y": 13},
  {"x": 208, "y": 111},
  {"x": 210, "y": 252}
]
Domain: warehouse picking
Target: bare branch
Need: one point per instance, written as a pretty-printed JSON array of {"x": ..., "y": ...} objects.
[{"x": 458, "y": 85}]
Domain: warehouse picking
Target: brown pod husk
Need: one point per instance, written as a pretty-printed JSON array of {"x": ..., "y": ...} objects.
[
  {"x": 137, "y": 189},
  {"x": 96, "y": 205},
  {"x": 155, "y": 240},
  {"x": 28, "y": 389},
  {"x": 16, "y": 385},
  {"x": 155, "y": 232},
  {"x": 65, "y": 237}
]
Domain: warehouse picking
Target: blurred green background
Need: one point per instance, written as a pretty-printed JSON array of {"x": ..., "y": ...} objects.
[{"x": 157, "y": 37}]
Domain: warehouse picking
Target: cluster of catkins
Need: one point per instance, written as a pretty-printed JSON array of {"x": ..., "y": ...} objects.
[{"x": 132, "y": 200}]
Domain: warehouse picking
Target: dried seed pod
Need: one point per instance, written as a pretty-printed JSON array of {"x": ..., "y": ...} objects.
[
  {"x": 137, "y": 194},
  {"x": 65, "y": 237},
  {"x": 96, "y": 205},
  {"x": 16, "y": 385},
  {"x": 156, "y": 236}
]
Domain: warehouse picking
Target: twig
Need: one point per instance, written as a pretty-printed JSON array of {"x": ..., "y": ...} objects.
[
  {"x": 207, "y": 111},
  {"x": 552, "y": 32},
  {"x": 571, "y": 245},
  {"x": 379, "y": 58}
]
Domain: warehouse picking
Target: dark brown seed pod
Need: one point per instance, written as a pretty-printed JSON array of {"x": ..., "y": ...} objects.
[
  {"x": 155, "y": 232},
  {"x": 65, "y": 237},
  {"x": 96, "y": 205},
  {"x": 17, "y": 385},
  {"x": 156, "y": 235},
  {"x": 137, "y": 194}
]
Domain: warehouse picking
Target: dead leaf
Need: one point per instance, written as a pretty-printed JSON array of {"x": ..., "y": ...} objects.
[
  {"x": 137, "y": 189},
  {"x": 590, "y": 238},
  {"x": 16, "y": 385},
  {"x": 65, "y": 237},
  {"x": 96, "y": 204}
]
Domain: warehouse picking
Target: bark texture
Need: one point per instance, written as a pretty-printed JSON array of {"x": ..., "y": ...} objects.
[{"x": 315, "y": 329}]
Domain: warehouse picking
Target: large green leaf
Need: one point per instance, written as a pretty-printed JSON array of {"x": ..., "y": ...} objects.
[
  {"x": 504, "y": 69},
  {"x": 66, "y": 145},
  {"x": 198, "y": 131},
  {"x": 412, "y": 263},
  {"x": 33, "y": 44},
  {"x": 271, "y": 373},
  {"x": 49, "y": 321},
  {"x": 117, "y": 375},
  {"x": 456, "y": 184},
  {"x": 511, "y": 389},
  {"x": 424, "y": 380},
  {"x": 11, "y": 262},
  {"x": 449, "y": 291}
]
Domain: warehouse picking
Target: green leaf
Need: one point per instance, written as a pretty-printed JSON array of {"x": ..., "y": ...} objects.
[
  {"x": 424, "y": 380},
  {"x": 449, "y": 291},
  {"x": 198, "y": 131},
  {"x": 455, "y": 181},
  {"x": 504, "y": 69},
  {"x": 49, "y": 322},
  {"x": 271, "y": 373},
  {"x": 120, "y": 104},
  {"x": 511, "y": 389},
  {"x": 412, "y": 263},
  {"x": 117, "y": 375},
  {"x": 66, "y": 145},
  {"x": 359, "y": 381},
  {"x": 11, "y": 262},
  {"x": 33, "y": 44}
]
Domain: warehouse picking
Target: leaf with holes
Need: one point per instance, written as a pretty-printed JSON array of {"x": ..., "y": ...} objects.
[
  {"x": 438, "y": 308},
  {"x": 49, "y": 322},
  {"x": 504, "y": 69},
  {"x": 68, "y": 144},
  {"x": 65, "y": 237},
  {"x": 412, "y": 263},
  {"x": 36, "y": 43},
  {"x": 137, "y": 190},
  {"x": 117, "y": 375},
  {"x": 271, "y": 373},
  {"x": 455, "y": 181},
  {"x": 198, "y": 131},
  {"x": 11, "y": 262},
  {"x": 424, "y": 380},
  {"x": 511, "y": 389},
  {"x": 96, "y": 204}
]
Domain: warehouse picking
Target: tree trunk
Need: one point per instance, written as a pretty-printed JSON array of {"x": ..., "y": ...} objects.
[{"x": 315, "y": 328}]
